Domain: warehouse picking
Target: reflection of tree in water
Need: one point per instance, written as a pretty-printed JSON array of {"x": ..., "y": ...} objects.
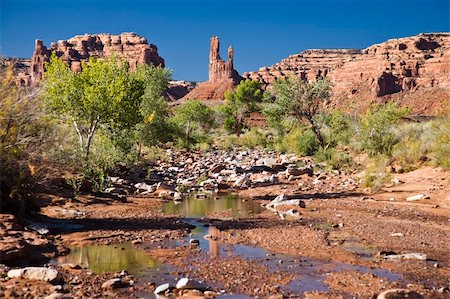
[
  {"x": 214, "y": 242},
  {"x": 193, "y": 207},
  {"x": 110, "y": 258}
]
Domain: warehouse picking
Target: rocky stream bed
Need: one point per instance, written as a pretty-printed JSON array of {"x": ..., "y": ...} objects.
[{"x": 238, "y": 224}]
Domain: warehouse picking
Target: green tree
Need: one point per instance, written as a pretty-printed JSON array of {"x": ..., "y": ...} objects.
[
  {"x": 291, "y": 96},
  {"x": 154, "y": 108},
  {"x": 192, "y": 115},
  {"x": 239, "y": 103},
  {"x": 103, "y": 93}
]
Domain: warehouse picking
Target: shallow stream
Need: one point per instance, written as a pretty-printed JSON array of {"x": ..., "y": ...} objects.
[{"x": 309, "y": 274}]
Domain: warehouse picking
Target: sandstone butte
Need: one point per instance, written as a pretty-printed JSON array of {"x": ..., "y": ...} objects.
[
  {"x": 222, "y": 76},
  {"x": 412, "y": 71},
  {"x": 134, "y": 48}
]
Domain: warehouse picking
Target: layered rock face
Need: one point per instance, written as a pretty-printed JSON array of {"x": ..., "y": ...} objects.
[
  {"x": 222, "y": 76},
  {"x": 397, "y": 69},
  {"x": 134, "y": 48}
]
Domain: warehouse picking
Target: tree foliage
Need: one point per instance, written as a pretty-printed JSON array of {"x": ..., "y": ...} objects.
[
  {"x": 153, "y": 107},
  {"x": 239, "y": 103},
  {"x": 193, "y": 115},
  {"x": 291, "y": 96},
  {"x": 104, "y": 93}
]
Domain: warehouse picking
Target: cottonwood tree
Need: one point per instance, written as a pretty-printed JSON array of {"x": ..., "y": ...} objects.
[
  {"x": 192, "y": 115},
  {"x": 153, "y": 107},
  {"x": 103, "y": 93},
  {"x": 294, "y": 97},
  {"x": 239, "y": 103}
]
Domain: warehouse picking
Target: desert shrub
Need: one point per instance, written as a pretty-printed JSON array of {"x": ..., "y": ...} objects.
[
  {"x": 227, "y": 142},
  {"x": 376, "y": 128},
  {"x": 334, "y": 159},
  {"x": 336, "y": 128},
  {"x": 441, "y": 144},
  {"x": 413, "y": 147},
  {"x": 254, "y": 138},
  {"x": 300, "y": 141},
  {"x": 375, "y": 175},
  {"x": 25, "y": 133}
]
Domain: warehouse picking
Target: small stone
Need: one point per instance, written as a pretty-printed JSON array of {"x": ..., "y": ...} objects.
[
  {"x": 186, "y": 283},
  {"x": 399, "y": 294},
  {"x": 162, "y": 288},
  {"x": 397, "y": 235},
  {"x": 112, "y": 284},
  {"x": 417, "y": 197}
]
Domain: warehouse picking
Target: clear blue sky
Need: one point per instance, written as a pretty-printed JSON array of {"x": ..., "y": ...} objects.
[{"x": 262, "y": 32}]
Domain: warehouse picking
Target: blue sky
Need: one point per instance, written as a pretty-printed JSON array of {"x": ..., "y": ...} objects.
[{"x": 262, "y": 32}]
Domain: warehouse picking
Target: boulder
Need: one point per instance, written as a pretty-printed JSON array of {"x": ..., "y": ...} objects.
[{"x": 34, "y": 273}]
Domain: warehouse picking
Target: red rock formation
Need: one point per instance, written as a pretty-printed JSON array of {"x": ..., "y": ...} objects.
[
  {"x": 395, "y": 69},
  {"x": 134, "y": 48},
  {"x": 222, "y": 76}
]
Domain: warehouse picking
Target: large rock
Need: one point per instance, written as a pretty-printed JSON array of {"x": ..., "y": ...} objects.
[
  {"x": 34, "y": 273},
  {"x": 414, "y": 71},
  {"x": 222, "y": 77}
]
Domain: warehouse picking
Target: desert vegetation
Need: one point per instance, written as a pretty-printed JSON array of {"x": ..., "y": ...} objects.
[{"x": 88, "y": 123}]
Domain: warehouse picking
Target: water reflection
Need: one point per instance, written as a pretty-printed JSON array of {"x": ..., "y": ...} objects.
[
  {"x": 112, "y": 258},
  {"x": 193, "y": 207}
]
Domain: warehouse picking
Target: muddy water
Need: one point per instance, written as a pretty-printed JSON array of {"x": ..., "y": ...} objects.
[
  {"x": 198, "y": 207},
  {"x": 113, "y": 258}
]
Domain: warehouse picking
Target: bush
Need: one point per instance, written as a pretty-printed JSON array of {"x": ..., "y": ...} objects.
[
  {"x": 334, "y": 158},
  {"x": 441, "y": 144},
  {"x": 376, "y": 128},
  {"x": 299, "y": 141},
  {"x": 375, "y": 176},
  {"x": 414, "y": 145},
  {"x": 254, "y": 138},
  {"x": 25, "y": 132},
  {"x": 336, "y": 127}
]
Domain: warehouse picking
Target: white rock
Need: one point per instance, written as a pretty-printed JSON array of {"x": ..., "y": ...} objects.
[
  {"x": 145, "y": 187},
  {"x": 408, "y": 256},
  {"x": 162, "y": 288},
  {"x": 417, "y": 197},
  {"x": 186, "y": 283},
  {"x": 35, "y": 273},
  {"x": 397, "y": 235}
]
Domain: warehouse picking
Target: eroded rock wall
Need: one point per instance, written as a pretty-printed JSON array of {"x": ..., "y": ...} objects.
[
  {"x": 134, "y": 48},
  {"x": 395, "y": 68}
]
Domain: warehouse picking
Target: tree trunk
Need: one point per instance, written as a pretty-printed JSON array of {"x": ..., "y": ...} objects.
[
  {"x": 92, "y": 129},
  {"x": 80, "y": 137},
  {"x": 316, "y": 131}
]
